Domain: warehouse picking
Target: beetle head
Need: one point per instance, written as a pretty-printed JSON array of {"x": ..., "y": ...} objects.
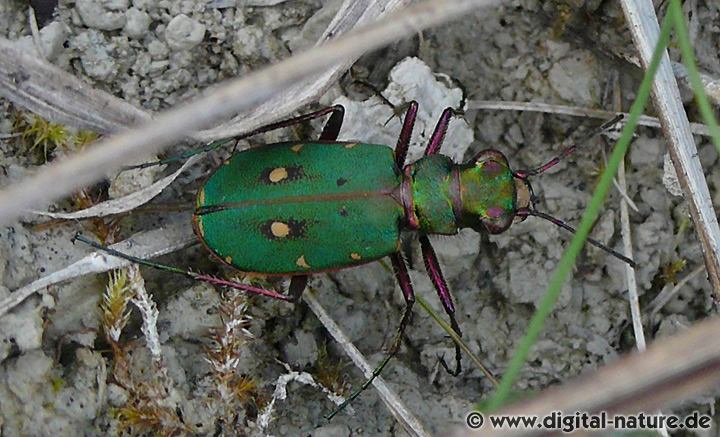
[{"x": 488, "y": 193}]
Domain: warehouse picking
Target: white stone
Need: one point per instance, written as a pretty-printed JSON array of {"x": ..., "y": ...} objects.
[
  {"x": 137, "y": 23},
  {"x": 103, "y": 15},
  {"x": 184, "y": 33},
  {"x": 411, "y": 79}
]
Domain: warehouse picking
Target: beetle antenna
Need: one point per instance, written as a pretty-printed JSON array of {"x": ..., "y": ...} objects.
[
  {"x": 524, "y": 174},
  {"x": 524, "y": 212},
  {"x": 182, "y": 157}
]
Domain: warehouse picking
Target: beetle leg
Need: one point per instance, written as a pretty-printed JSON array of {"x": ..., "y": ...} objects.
[
  {"x": 433, "y": 268},
  {"x": 438, "y": 135},
  {"x": 403, "y": 278},
  {"x": 262, "y": 129},
  {"x": 405, "y": 133},
  {"x": 332, "y": 128},
  {"x": 297, "y": 286},
  {"x": 247, "y": 288},
  {"x": 194, "y": 275},
  {"x": 294, "y": 120}
]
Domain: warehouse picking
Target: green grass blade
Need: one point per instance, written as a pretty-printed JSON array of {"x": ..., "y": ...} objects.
[
  {"x": 676, "y": 14},
  {"x": 589, "y": 216}
]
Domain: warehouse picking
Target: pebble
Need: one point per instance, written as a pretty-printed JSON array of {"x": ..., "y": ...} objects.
[
  {"x": 184, "y": 33},
  {"x": 103, "y": 15},
  {"x": 137, "y": 23}
]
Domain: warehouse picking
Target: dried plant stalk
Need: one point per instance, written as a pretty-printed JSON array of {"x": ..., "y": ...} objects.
[{"x": 666, "y": 97}]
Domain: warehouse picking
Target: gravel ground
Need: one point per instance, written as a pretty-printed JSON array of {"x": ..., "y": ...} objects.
[{"x": 59, "y": 373}]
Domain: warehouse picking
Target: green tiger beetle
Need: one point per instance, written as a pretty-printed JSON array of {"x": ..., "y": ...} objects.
[{"x": 294, "y": 209}]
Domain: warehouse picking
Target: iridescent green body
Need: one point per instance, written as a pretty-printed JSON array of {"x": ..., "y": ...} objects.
[{"x": 297, "y": 208}]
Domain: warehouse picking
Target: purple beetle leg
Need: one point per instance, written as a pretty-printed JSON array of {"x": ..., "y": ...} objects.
[
  {"x": 405, "y": 133},
  {"x": 193, "y": 275},
  {"x": 247, "y": 288},
  {"x": 439, "y": 133},
  {"x": 332, "y": 128},
  {"x": 433, "y": 268},
  {"x": 295, "y": 120},
  {"x": 297, "y": 286},
  {"x": 403, "y": 278}
]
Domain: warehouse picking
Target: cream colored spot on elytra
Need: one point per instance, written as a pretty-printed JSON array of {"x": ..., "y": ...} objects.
[
  {"x": 350, "y": 145},
  {"x": 228, "y": 259},
  {"x": 226, "y": 162},
  {"x": 201, "y": 197},
  {"x": 278, "y": 174},
  {"x": 280, "y": 229},
  {"x": 356, "y": 256},
  {"x": 296, "y": 148},
  {"x": 302, "y": 263}
]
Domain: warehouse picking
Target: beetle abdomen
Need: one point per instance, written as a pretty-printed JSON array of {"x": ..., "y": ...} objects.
[{"x": 293, "y": 208}]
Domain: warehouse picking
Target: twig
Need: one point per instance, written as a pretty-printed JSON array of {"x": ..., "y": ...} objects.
[
  {"x": 401, "y": 413},
  {"x": 624, "y": 194},
  {"x": 36, "y": 33},
  {"x": 670, "y": 370},
  {"x": 645, "y": 120},
  {"x": 630, "y": 278},
  {"x": 145, "y": 245},
  {"x": 124, "y": 203},
  {"x": 643, "y": 24}
]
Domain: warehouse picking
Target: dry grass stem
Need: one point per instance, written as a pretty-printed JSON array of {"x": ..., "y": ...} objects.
[
  {"x": 645, "y": 30},
  {"x": 176, "y": 235},
  {"x": 124, "y": 203},
  {"x": 402, "y": 414},
  {"x": 630, "y": 279},
  {"x": 549, "y": 108}
]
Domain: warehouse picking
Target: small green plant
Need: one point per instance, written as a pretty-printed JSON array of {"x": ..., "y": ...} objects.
[
  {"x": 114, "y": 306},
  {"x": 669, "y": 272},
  {"x": 330, "y": 373},
  {"x": 143, "y": 411},
  {"x": 57, "y": 384},
  {"x": 83, "y": 138},
  {"x": 36, "y": 132},
  {"x": 232, "y": 390}
]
